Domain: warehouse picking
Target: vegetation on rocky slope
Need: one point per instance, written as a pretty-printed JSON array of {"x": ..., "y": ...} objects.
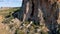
[{"x": 12, "y": 25}]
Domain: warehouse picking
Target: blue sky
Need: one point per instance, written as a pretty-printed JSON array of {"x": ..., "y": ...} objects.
[{"x": 10, "y": 3}]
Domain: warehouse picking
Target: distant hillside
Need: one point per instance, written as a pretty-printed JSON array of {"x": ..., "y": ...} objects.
[{"x": 6, "y": 10}]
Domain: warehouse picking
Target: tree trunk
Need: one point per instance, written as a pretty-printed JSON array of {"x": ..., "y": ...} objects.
[
  {"x": 50, "y": 14},
  {"x": 41, "y": 10},
  {"x": 26, "y": 8}
]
